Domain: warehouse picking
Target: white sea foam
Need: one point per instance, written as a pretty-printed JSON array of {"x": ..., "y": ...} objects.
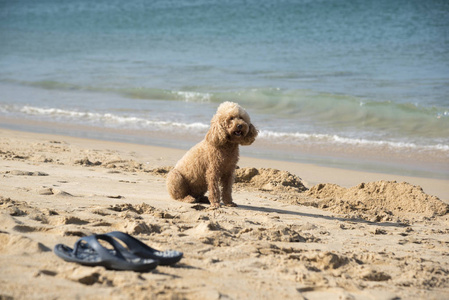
[
  {"x": 110, "y": 120},
  {"x": 31, "y": 110},
  {"x": 193, "y": 96},
  {"x": 295, "y": 137}
]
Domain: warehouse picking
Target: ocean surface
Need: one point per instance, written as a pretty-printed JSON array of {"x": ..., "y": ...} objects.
[{"x": 345, "y": 83}]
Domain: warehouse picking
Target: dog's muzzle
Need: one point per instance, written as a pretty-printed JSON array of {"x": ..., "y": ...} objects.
[{"x": 238, "y": 132}]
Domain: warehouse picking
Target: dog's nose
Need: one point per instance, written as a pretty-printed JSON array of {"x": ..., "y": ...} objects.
[{"x": 239, "y": 127}]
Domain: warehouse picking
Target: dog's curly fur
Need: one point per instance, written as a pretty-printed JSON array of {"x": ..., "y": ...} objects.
[{"x": 211, "y": 163}]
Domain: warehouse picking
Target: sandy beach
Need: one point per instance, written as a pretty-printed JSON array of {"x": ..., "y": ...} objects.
[{"x": 299, "y": 232}]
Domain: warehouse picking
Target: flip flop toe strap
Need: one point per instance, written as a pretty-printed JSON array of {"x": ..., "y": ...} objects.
[{"x": 88, "y": 248}]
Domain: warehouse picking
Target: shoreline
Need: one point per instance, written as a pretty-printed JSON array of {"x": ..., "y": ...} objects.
[
  {"x": 311, "y": 174},
  {"x": 375, "y": 160}
]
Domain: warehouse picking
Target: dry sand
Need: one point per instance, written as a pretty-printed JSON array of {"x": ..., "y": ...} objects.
[{"x": 299, "y": 232}]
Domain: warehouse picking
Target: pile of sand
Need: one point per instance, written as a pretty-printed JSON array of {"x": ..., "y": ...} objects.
[
  {"x": 375, "y": 198},
  {"x": 376, "y": 201},
  {"x": 269, "y": 179}
]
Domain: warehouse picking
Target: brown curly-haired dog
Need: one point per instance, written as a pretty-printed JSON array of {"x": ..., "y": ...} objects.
[{"x": 211, "y": 163}]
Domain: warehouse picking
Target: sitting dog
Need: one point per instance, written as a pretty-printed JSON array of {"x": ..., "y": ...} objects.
[{"x": 211, "y": 163}]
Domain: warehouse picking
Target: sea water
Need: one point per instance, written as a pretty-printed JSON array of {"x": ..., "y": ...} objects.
[{"x": 347, "y": 83}]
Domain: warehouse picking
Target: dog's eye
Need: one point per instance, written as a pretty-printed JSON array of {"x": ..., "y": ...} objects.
[{"x": 231, "y": 118}]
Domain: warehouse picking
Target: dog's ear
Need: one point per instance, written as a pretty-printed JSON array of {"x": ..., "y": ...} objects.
[
  {"x": 217, "y": 133},
  {"x": 250, "y": 137}
]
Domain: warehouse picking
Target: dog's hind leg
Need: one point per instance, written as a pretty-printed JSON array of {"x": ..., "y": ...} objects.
[{"x": 178, "y": 188}]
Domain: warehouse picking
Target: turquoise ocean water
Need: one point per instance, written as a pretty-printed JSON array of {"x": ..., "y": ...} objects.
[{"x": 347, "y": 83}]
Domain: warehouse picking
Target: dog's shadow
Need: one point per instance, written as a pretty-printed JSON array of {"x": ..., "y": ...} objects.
[{"x": 309, "y": 215}]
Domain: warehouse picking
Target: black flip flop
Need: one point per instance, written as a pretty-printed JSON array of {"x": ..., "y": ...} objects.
[
  {"x": 136, "y": 247},
  {"x": 88, "y": 251}
]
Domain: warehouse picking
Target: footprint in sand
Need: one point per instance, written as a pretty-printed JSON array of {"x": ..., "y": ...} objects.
[
  {"x": 7, "y": 222},
  {"x": 46, "y": 191},
  {"x": 19, "y": 244},
  {"x": 10, "y": 223},
  {"x": 26, "y": 173},
  {"x": 137, "y": 227},
  {"x": 374, "y": 275},
  {"x": 65, "y": 220}
]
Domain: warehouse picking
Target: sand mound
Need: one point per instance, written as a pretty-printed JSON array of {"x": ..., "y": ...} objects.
[
  {"x": 86, "y": 162},
  {"x": 269, "y": 179},
  {"x": 387, "y": 196},
  {"x": 278, "y": 233},
  {"x": 142, "y": 208}
]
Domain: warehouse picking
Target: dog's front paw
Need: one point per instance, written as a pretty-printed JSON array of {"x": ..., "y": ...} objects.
[
  {"x": 231, "y": 204},
  {"x": 189, "y": 199},
  {"x": 214, "y": 206}
]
